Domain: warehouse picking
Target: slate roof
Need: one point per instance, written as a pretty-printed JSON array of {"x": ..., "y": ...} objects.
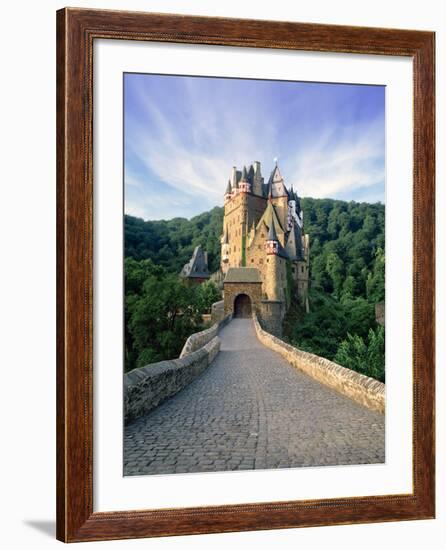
[
  {"x": 269, "y": 215},
  {"x": 276, "y": 184},
  {"x": 294, "y": 247},
  {"x": 272, "y": 235},
  {"x": 197, "y": 266},
  {"x": 243, "y": 275}
]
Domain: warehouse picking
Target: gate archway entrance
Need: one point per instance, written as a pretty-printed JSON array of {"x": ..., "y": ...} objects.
[{"x": 242, "y": 306}]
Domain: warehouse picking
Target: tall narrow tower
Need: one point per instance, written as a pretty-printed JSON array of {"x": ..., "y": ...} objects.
[{"x": 273, "y": 278}]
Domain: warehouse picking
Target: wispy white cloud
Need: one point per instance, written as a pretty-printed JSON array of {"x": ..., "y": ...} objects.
[
  {"x": 191, "y": 144},
  {"x": 340, "y": 162}
]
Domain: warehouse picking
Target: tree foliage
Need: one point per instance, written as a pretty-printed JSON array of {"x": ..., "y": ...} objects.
[
  {"x": 161, "y": 312},
  {"x": 347, "y": 270},
  {"x": 364, "y": 355},
  {"x": 170, "y": 243}
]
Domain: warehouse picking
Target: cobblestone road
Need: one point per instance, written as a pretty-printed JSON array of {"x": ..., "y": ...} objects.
[{"x": 250, "y": 409}]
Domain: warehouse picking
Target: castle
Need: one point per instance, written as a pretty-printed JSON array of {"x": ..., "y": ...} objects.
[{"x": 264, "y": 249}]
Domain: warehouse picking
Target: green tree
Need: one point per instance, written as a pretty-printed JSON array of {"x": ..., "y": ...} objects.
[
  {"x": 335, "y": 269},
  {"x": 347, "y": 272},
  {"x": 364, "y": 356},
  {"x": 206, "y": 294},
  {"x": 376, "y": 278}
]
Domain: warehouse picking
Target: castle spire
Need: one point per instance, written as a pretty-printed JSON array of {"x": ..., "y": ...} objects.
[
  {"x": 228, "y": 188},
  {"x": 272, "y": 235},
  {"x": 244, "y": 174}
]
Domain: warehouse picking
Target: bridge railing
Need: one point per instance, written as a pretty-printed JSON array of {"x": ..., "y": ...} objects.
[
  {"x": 147, "y": 387},
  {"x": 362, "y": 389},
  {"x": 199, "y": 339}
]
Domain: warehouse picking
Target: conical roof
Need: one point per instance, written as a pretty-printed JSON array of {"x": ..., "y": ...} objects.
[
  {"x": 228, "y": 188},
  {"x": 272, "y": 235},
  {"x": 277, "y": 184}
]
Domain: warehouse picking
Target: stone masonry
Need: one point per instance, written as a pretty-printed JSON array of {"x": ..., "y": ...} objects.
[
  {"x": 250, "y": 409},
  {"x": 365, "y": 390},
  {"x": 145, "y": 388}
]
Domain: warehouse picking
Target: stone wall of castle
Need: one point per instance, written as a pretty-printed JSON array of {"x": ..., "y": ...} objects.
[
  {"x": 232, "y": 290},
  {"x": 272, "y": 314},
  {"x": 240, "y": 213},
  {"x": 250, "y": 211}
]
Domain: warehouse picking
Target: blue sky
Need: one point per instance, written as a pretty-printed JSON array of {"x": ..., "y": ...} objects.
[{"x": 182, "y": 135}]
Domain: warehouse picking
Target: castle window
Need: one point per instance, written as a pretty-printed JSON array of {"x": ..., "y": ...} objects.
[
  {"x": 267, "y": 260},
  {"x": 261, "y": 261},
  {"x": 259, "y": 247},
  {"x": 303, "y": 269},
  {"x": 252, "y": 260}
]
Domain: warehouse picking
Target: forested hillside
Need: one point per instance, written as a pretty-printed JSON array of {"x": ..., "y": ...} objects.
[
  {"x": 347, "y": 268},
  {"x": 347, "y": 277},
  {"x": 171, "y": 243}
]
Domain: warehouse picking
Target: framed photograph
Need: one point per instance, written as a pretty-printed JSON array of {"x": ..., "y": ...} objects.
[{"x": 245, "y": 275}]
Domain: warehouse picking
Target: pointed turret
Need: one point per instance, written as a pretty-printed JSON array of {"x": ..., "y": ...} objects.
[
  {"x": 272, "y": 241},
  {"x": 272, "y": 235},
  {"x": 257, "y": 180},
  {"x": 277, "y": 183},
  {"x": 251, "y": 173},
  {"x": 228, "y": 192},
  {"x": 245, "y": 185},
  {"x": 234, "y": 176}
]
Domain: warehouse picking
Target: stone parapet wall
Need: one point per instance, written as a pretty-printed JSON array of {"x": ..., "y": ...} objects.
[
  {"x": 147, "y": 387},
  {"x": 360, "y": 388},
  {"x": 218, "y": 311},
  {"x": 199, "y": 339}
]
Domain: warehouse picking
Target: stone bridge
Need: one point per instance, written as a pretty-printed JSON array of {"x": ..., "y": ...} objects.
[{"x": 251, "y": 409}]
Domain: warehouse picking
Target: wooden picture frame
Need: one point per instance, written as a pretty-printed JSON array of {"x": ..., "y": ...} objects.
[{"x": 76, "y": 31}]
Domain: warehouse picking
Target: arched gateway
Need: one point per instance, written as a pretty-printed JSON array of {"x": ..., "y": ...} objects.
[
  {"x": 242, "y": 291},
  {"x": 242, "y": 306}
]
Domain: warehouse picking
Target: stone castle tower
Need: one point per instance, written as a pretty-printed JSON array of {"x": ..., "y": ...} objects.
[{"x": 264, "y": 250}]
